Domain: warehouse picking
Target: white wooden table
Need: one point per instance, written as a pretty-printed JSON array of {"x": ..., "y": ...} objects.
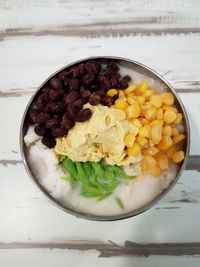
[{"x": 37, "y": 38}]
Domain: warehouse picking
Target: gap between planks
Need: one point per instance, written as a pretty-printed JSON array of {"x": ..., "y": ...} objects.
[
  {"x": 111, "y": 249},
  {"x": 97, "y": 30}
]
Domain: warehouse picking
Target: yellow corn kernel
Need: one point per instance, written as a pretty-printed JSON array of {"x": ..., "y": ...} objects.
[
  {"x": 144, "y": 131},
  {"x": 151, "y": 143},
  {"x": 147, "y": 105},
  {"x": 151, "y": 114},
  {"x": 144, "y": 166},
  {"x": 142, "y": 141},
  {"x": 171, "y": 151},
  {"x": 140, "y": 99},
  {"x": 178, "y": 156},
  {"x": 160, "y": 114},
  {"x": 169, "y": 116},
  {"x": 155, "y": 171},
  {"x": 133, "y": 111},
  {"x": 175, "y": 132},
  {"x": 162, "y": 161},
  {"x": 153, "y": 150},
  {"x": 148, "y": 93},
  {"x": 156, "y": 133},
  {"x": 129, "y": 139},
  {"x": 142, "y": 87},
  {"x": 144, "y": 108},
  {"x": 165, "y": 142},
  {"x": 135, "y": 130},
  {"x": 167, "y": 98},
  {"x": 131, "y": 100},
  {"x": 178, "y": 138},
  {"x": 120, "y": 104},
  {"x": 136, "y": 122},
  {"x": 156, "y": 100},
  {"x": 121, "y": 94},
  {"x": 167, "y": 130},
  {"x": 112, "y": 92},
  {"x": 130, "y": 89},
  {"x": 134, "y": 150},
  {"x": 156, "y": 122},
  {"x": 144, "y": 121},
  {"x": 179, "y": 118},
  {"x": 144, "y": 150},
  {"x": 150, "y": 160},
  {"x": 166, "y": 107}
]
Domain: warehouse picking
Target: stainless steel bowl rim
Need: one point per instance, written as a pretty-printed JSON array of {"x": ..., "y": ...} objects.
[{"x": 98, "y": 217}]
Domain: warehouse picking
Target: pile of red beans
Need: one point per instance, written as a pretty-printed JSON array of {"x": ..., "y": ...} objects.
[{"x": 60, "y": 104}]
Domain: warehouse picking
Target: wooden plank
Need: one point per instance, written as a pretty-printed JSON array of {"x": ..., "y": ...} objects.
[
  {"x": 60, "y": 257},
  {"x": 83, "y": 18},
  {"x": 38, "y": 57}
]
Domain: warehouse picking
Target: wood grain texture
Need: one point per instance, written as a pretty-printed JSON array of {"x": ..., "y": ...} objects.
[
  {"x": 25, "y": 68},
  {"x": 84, "y": 18}
]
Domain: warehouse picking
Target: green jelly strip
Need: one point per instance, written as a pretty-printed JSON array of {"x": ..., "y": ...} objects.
[{"x": 96, "y": 179}]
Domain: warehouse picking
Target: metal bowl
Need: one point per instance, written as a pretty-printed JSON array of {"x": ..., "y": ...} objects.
[{"x": 136, "y": 66}]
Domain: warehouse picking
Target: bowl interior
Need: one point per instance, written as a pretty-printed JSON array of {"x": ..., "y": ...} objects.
[{"x": 130, "y": 67}]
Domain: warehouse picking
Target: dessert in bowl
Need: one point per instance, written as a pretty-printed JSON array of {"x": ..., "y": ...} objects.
[{"x": 105, "y": 138}]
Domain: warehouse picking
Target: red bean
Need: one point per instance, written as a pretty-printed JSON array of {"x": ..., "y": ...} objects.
[
  {"x": 55, "y": 95},
  {"x": 84, "y": 93},
  {"x": 42, "y": 117},
  {"x": 124, "y": 85},
  {"x": 97, "y": 66},
  {"x": 126, "y": 78},
  {"x": 84, "y": 115},
  {"x": 113, "y": 66},
  {"x": 58, "y": 106},
  {"x": 79, "y": 103},
  {"x": 52, "y": 123},
  {"x": 113, "y": 83},
  {"x": 71, "y": 97},
  {"x": 67, "y": 123},
  {"x": 94, "y": 87},
  {"x": 40, "y": 130},
  {"x": 73, "y": 84},
  {"x": 82, "y": 69},
  {"x": 66, "y": 82},
  {"x": 72, "y": 111},
  {"x": 49, "y": 142},
  {"x": 55, "y": 83},
  {"x": 46, "y": 93},
  {"x": 76, "y": 72},
  {"x": 107, "y": 101},
  {"x": 58, "y": 132},
  {"x": 100, "y": 92},
  {"x": 62, "y": 75},
  {"x": 94, "y": 99},
  {"x": 88, "y": 78},
  {"x": 40, "y": 102},
  {"x": 105, "y": 84},
  {"x": 47, "y": 108},
  {"x": 32, "y": 115}
]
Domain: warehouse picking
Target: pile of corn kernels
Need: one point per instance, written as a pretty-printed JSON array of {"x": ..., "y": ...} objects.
[{"x": 156, "y": 119}]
